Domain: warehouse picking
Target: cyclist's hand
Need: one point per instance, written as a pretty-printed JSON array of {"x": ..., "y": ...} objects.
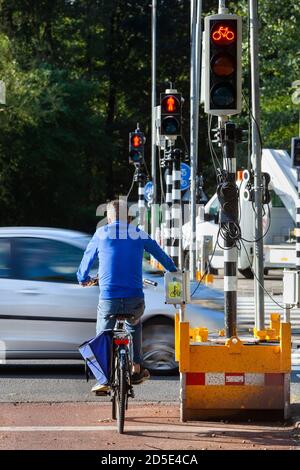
[{"x": 94, "y": 281}]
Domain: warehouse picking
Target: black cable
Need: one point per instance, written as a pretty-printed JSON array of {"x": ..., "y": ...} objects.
[
  {"x": 132, "y": 184},
  {"x": 256, "y": 123},
  {"x": 208, "y": 266}
]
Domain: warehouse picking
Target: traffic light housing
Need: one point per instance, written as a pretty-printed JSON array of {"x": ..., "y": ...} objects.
[
  {"x": 136, "y": 147},
  {"x": 223, "y": 68},
  {"x": 295, "y": 152},
  {"x": 170, "y": 106}
]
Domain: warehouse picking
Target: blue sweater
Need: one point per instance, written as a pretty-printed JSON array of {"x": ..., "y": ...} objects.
[{"x": 120, "y": 248}]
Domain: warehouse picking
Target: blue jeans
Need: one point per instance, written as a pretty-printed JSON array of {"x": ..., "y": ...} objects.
[{"x": 133, "y": 305}]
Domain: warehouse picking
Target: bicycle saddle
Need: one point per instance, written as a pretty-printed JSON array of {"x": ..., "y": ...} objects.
[{"x": 123, "y": 316}]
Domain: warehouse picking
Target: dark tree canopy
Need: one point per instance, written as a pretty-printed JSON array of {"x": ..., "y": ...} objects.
[{"x": 78, "y": 76}]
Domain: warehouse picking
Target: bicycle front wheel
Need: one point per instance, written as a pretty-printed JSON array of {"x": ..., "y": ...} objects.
[{"x": 122, "y": 392}]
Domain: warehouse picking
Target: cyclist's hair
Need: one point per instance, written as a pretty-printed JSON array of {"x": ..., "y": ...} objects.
[{"x": 117, "y": 210}]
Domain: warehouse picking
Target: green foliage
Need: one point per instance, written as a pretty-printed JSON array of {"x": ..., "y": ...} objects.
[{"x": 78, "y": 77}]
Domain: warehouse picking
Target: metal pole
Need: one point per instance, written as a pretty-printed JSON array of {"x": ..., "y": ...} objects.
[
  {"x": 222, "y": 7},
  {"x": 176, "y": 213},
  {"x": 298, "y": 223},
  {"x": 141, "y": 199},
  {"x": 153, "y": 104},
  {"x": 198, "y": 75},
  {"x": 256, "y": 156},
  {"x": 192, "y": 137},
  {"x": 168, "y": 209},
  {"x": 229, "y": 222}
]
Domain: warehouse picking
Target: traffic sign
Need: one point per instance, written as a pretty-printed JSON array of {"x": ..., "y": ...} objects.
[
  {"x": 148, "y": 191},
  {"x": 185, "y": 176}
]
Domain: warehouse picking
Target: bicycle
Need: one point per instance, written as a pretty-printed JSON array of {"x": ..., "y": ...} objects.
[
  {"x": 121, "y": 370},
  {"x": 121, "y": 364}
]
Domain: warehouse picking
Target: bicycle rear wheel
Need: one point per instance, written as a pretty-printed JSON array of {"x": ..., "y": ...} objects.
[{"x": 121, "y": 393}]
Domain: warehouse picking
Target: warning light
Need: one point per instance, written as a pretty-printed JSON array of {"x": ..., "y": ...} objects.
[
  {"x": 170, "y": 114},
  {"x": 223, "y": 64},
  {"x": 223, "y": 35},
  {"x": 170, "y": 104},
  {"x": 136, "y": 140},
  {"x": 136, "y": 147}
]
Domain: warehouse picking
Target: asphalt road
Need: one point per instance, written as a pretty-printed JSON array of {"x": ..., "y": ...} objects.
[
  {"x": 57, "y": 381},
  {"x": 35, "y": 381},
  {"x": 60, "y": 381}
]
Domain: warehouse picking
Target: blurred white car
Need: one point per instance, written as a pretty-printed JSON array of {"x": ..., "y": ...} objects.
[{"x": 44, "y": 313}]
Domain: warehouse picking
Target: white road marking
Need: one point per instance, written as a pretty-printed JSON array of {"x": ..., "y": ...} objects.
[{"x": 157, "y": 428}]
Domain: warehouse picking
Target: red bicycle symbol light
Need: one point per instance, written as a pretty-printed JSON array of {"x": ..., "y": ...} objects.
[{"x": 223, "y": 35}]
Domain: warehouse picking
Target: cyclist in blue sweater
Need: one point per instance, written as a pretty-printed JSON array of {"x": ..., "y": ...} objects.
[{"x": 120, "y": 247}]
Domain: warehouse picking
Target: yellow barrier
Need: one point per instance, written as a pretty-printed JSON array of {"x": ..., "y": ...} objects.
[{"x": 222, "y": 378}]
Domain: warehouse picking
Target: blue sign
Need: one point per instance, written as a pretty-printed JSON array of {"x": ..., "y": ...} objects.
[
  {"x": 185, "y": 176},
  {"x": 148, "y": 191}
]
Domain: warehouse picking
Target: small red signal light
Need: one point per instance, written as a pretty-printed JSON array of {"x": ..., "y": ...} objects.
[
  {"x": 136, "y": 141},
  {"x": 170, "y": 104},
  {"x": 222, "y": 34}
]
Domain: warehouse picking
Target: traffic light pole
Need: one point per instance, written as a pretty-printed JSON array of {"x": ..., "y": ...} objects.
[
  {"x": 176, "y": 248},
  {"x": 256, "y": 155},
  {"x": 196, "y": 11},
  {"x": 168, "y": 208},
  {"x": 140, "y": 178},
  {"x": 228, "y": 196},
  {"x": 298, "y": 223},
  {"x": 153, "y": 134}
]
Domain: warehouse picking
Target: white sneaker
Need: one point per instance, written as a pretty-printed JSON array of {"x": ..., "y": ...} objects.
[{"x": 98, "y": 388}]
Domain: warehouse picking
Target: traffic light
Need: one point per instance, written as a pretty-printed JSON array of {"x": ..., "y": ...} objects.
[
  {"x": 170, "y": 106},
  {"x": 295, "y": 153},
  {"x": 136, "y": 146},
  {"x": 223, "y": 70}
]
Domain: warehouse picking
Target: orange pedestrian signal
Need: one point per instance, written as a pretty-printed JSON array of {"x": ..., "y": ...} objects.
[
  {"x": 136, "y": 141},
  {"x": 136, "y": 147},
  {"x": 170, "y": 114},
  {"x": 170, "y": 104}
]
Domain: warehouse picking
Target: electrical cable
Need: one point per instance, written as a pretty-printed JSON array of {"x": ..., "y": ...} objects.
[
  {"x": 255, "y": 121},
  {"x": 131, "y": 187},
  {"x": 207, "y": 267}
]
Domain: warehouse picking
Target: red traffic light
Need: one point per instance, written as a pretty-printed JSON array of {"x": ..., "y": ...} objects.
[
  {"x": 136, "y": 141},
  {"x": 170, "y": 104},
  {"x": 223, "y": 34}
]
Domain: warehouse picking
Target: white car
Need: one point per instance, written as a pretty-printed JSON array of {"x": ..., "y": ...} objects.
[{"x": 44, "y": 313}]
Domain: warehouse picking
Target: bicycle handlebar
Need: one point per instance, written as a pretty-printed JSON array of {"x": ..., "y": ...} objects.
[
  {"x": 94, "y": 281},
  {"x": 150, "y": 283}
]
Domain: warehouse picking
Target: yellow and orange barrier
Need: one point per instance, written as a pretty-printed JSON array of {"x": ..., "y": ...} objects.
[{"x": 226, "y": 376}]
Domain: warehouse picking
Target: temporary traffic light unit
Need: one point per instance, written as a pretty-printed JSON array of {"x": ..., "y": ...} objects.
[
  {"x": 170, "y": 103},
  {"x": 223, "y": 47},
  {"x": 136, "y": 147}
]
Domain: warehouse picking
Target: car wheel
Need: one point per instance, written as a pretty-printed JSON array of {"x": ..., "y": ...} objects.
[{"x": 159, "y": 346}]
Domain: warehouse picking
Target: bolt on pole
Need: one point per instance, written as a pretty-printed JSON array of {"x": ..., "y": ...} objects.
[{"x": 256, "y": 156}]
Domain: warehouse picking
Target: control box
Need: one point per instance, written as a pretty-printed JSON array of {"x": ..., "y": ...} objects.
[
  {"x": 291, "y": 287},
  {"x": 177, "y": 287}
]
